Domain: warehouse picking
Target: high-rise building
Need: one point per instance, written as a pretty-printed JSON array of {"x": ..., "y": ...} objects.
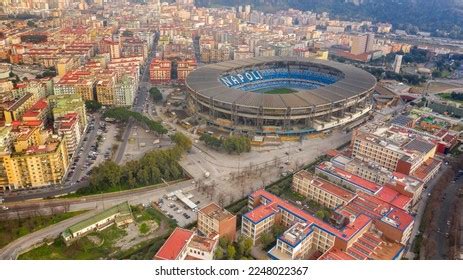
[
  {"x": 62, "y": 105},
  {"x": 38, "y": 159},
  {"x": 160, "y": 71},
  {"x": 370, "y": 42},
  {"x": 68, "y": 127},
  {"x": 184, "y": 67},
  {"x": 397, "y": 63},
  {"x": 359, "y": 44},
  {"x": 124, "y": 91}
]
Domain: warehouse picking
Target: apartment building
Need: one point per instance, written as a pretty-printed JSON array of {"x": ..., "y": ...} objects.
[
  {"x": 68, "y": 127},
  {"x": 368, "y": 178},
  {"x": 66, "y": 64},
  {"x": 124, "y": 91},
  {"x": 76, "y": 82},
  {"x": 160, "y": 71},
  {"x": 62, "y": 105},
  {"x": 348, "y": 180},
  {"x": 36, "y": 162},
  {"x": 213, "y": 220},
  {"x": 105, "y": 90},
  {"x": 391, "y": 147},
  {"x": 364, "y": 228},
  {"x": 12, "y": 109},
  {"x": 268, "y": 209},
  {"x": 320, "y": 190},
  {"x": 185, "y": 67}
]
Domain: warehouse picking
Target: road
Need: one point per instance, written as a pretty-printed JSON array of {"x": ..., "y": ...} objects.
[
  {"x": 13, "y": 249},
  {"x": 419, "y": 209},
  {"x": 445, "y": 216},
  {"x": 94, "y": 203},
  {"x": 140, "y": 101}
]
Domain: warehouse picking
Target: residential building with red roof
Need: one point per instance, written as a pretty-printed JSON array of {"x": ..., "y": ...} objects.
[
  {"x": 360, "y": 217},
  {"x": 320, "y": 190},
  {"x": 184, "y": 244},
  {"x": 160, "y": 71},
  {"x": 342, "y": 177},
  {"x": 268, "y": 209},
  {"x": 68, "y": 127},
  {"x": 38, "y": 111}
]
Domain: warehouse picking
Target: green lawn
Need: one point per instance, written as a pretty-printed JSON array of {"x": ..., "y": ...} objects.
[
  {"x": 13, "y": 229},
  {"x": 85, "y": 249},
  {"x": 280, "y": 91},
  {"x": 82, "y": 249}
]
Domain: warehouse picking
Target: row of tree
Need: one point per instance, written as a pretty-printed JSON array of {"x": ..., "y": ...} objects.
[
  {"x": 123, "y": 114},
  {"x": 231, "y": 144},
  {"x": 152, "y": 168},
  {"x": 239, "y": 250},
  {"x": 430, "y": 234}
]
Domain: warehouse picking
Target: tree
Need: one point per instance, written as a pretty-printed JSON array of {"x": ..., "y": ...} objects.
[
  {"x": 266, "y": 239},
  {"x": 218, "y": 254},
  {"x": 320, "y": 214},
  {"x": 221, "y": 199},
  {"x": 245, "y": 246},
  {"x": 155, "y": 94},
  {"x": 124, "y": 114},
  {"x": 224, "y": 242},
  {"x": 231, "y": 252},
  {"x": 92, "y": 105},
  {"x": 182, "y": 141},
  {"x": 30, "y": 23},
  {"x": 278, "y": 229}
]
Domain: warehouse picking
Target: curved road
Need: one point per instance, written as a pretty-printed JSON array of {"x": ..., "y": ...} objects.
[{"x": 94, "y": 203}]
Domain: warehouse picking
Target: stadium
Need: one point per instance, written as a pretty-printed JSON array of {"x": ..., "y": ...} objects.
[{"x": 279, "y": 95}]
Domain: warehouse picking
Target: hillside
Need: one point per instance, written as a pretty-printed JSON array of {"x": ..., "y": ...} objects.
[{"x": 442, "y": 17}]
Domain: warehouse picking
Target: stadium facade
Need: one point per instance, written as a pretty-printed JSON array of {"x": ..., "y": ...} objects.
[{"x": 280, "y": 95}]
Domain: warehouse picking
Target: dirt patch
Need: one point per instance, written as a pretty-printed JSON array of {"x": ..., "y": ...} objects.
[
  {"x": 134, "y": 236},
  {"x": 95, "y": 240}
]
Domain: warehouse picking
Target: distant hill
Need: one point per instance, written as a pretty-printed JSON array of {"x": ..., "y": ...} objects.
[{"x": 442, "y": 17}]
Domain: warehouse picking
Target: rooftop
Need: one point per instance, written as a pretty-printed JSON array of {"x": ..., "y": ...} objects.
[
  {"x": 393, "y": 197},
  {"x": 326, "y": 186},
  {"x": 122, "y": 209},
  {"x": 216, "y": 212},
  {"x": 423, "y": 171},
  {"x": 371, "y": 187},
  {"x": 174, "y": 244},
  {"x": 275, "y": 204}
]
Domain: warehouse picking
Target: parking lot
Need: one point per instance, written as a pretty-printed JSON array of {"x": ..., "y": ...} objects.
[
  {"x": 177, "y": 210},
  {"x": 96, "y": 146}
]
